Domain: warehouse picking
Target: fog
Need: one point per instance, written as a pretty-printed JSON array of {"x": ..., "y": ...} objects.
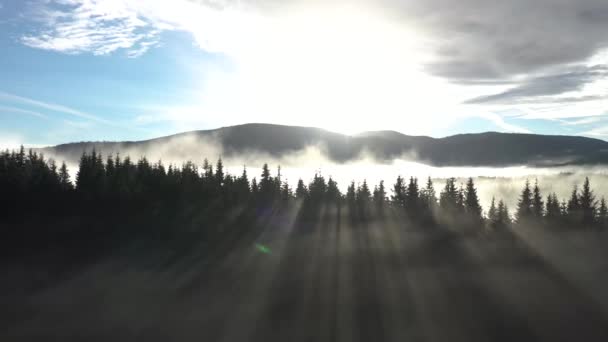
[{"x": 500, "y": 182}]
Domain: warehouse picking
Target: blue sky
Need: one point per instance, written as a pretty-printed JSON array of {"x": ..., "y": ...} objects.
[{"x": 75, "y": 70}]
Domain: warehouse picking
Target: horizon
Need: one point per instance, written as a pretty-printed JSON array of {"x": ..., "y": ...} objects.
[
  {"x": 91, "y": 70},
  {"x": 34, "y": 146}
]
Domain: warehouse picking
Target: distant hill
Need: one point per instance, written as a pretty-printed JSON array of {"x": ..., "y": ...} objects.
[{"x": 483, "y": 149}]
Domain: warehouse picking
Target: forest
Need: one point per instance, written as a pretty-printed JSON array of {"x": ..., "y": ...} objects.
[
  {"x": 139, "y": 250},
  {"x": 121, "y": 198}
]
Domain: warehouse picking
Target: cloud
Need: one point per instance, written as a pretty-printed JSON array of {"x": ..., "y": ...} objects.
[
  {"x": 584, "y": 121},
  {"x": 96, "y": 26},
  {"x": 53, "y": 107},
  {"x": 501, "y": 123},
  {"x": 8, "y": 109},
  {"x": 414, "y": 63},
  {"x": 481, "y": 40},
  {"x": 571, "y": 80}
]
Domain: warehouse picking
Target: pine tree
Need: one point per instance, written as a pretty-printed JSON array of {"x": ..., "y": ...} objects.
[
  {"x": 449, "y": 198},
  {"x": 472, "y": 206},
  {"x": 504, "y": 219},
  {"x": 602, "y": 215},
  {"x": 428, "y": 196},
  {"x": 255, "y": 189},
  {"x": 574, "y": 207},
  {"x": 301, "y": 191},
  {"x": 553, "y": 212},
  {"x": 399, "y": 192},
  {"x": 379, "y": 196},
  {"x": 64, "y": 178},
  {"x": 537, "y": 202},
  {"x": 524, "y": 206},
  {"x": 219, "y": 172},
  {"x": 286, "y": 192},
  {"x": 460, "y": 199},
  {"x": 207, "y": 170},
  {"x": 242, "y": 184},
  {"x": 412, "y": 198},
  {"x": 266, "y": 187},
  {"x": 363, "y": 194},
  {"x": 493, "y": 213},
  {"x": 563, "y": 209},
  {"x": 333, "y": 192},
  {"x": 588, "y": 204},
  {"x": 351, "y": 197}
]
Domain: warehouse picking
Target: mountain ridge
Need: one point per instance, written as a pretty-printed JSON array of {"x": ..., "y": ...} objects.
[{"x": 467, "y": 149}]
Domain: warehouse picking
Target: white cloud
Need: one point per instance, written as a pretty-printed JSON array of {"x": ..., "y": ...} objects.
[
  {"x": 499, "y": 121},
  {"x": 53, "y": 107},
  {"x": 344, "y": 66},
  {"x": 11, "y": 110},
  {"x": 97, "y": 26}
]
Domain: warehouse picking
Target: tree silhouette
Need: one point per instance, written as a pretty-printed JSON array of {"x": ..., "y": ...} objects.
[
  {"x": 503, "y": 219},
  {"x": 537, "y": 202},
  {"x": 602, "y": 214},
  {"x": 399, "y": 193},
  {"x": 573, "y": 210},
  {"x": 553, "y": 211},
  {"x": 493, "y": 214},
  {"x": 117, "y": 196},
  {"x": 301, "y": 190},
  {"x": 380, "y": 196},
  {"x": 588, "y": 204},
  {"x": 524, "y": 205},
  {"x": 472, "y": 206}
]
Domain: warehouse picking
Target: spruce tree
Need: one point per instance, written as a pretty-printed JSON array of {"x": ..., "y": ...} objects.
[
  {"x": 448, "y": 198},
  {"x": 333, "y": 192},
  {"x": 537, "y": 202},
  {"x": 379, "y": 196},
  {"x": 602, "y": 214},
  {"x": 286, "y": 192},
  {"x": 351, "y": 197},
  {"x": 504, "y": 219},
  {"x": 64, "y": 178},
  {"x": 524, "y": 206},
  {"x": 553, "y": 211},
  {"x": 219, "y": 172},
  {"x": 301, "y": 191},
  {"x": 472, "y": 206},
  {"x": 428, "y": 196},
  {"x": 588, "y": 204},
  {"x": 412, "y": 198},
  {"x": 363, "y": 194},
  {"x": 492, "y": 213},
  {"x": 574, "y": 207},
  {"x": 399, "y": 193}
]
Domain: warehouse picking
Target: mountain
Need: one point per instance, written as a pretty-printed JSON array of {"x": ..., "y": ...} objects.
[{"x": 482, "y": 149}]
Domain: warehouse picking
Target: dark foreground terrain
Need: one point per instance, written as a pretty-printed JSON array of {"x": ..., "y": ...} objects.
[{"x": 331, "y": 280}]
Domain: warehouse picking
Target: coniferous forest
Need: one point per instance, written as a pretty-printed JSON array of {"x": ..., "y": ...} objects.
[{"x": 134, "y": 249}]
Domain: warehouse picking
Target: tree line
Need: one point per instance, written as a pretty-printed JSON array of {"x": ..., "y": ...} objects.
[{"x": 118, "y": 187}]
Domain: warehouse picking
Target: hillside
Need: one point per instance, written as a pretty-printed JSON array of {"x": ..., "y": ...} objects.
[{"x": 482, "y": 149}]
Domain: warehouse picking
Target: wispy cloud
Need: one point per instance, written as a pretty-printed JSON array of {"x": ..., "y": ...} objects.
[
  {"x": 96, "y": 26},
  {"x": 584, "y": 121},
  {"x": 500, "y": 122},
  {"x": 11, "y": 110},
  {"x": 541, "y": 87},
  {"x": 53, "y": 107}
]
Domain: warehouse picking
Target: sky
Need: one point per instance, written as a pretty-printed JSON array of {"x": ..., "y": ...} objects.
[{"x": 82, "y": 70}]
